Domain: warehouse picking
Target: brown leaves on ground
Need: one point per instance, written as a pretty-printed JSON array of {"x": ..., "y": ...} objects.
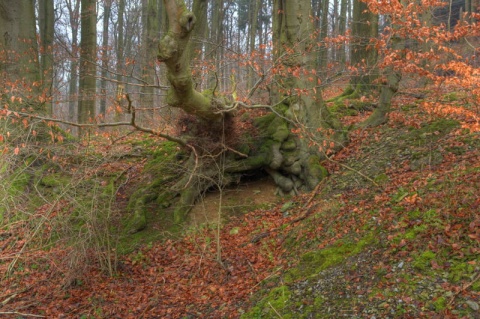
[{"x": 198, "y": 277}]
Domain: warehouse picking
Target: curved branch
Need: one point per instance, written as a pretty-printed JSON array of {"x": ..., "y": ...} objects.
[
  {"x": 132, "y": 123},
  {"x": 174, "y": 52}
]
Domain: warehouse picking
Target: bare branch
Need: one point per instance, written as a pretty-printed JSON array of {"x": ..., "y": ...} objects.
[{"x": 97, "y": 125}]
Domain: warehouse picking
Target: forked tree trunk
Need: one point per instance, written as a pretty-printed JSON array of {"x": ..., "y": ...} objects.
[{"x": 218, "y": 158}]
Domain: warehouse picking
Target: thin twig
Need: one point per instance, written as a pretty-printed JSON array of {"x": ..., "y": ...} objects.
[
  {"x": 477, "y": 277},
  {"x": 275, "y": 310},
  {"x": 20, "y": 314},
  {"x": 314, "y": 192},
  {"x": 353, "y": 170},
  {"x": 7, "y": 300}
]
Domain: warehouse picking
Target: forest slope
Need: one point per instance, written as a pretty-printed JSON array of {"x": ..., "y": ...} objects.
[{"x": 392, "y": 233}]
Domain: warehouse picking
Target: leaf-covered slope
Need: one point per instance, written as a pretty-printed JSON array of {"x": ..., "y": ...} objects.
[{"x": 403, "y": 243}]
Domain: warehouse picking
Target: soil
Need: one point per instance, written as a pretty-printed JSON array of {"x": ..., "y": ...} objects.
[{"x": 239, "y": 199}]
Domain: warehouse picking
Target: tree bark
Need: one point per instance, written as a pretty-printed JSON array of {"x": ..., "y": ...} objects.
[
  {"x": 88, "y": 54},
  {"x": 46, "y": 26},
  {"x": 391, "y": 75},
  {"x": 364, "y": 56},
  {"x": 215, "y": 48},
  {"x": 18, "y": 48},
  {"x": 342, "y": 28},
  {"x": 252, "y": 35},
  {"x": 150, "y": 38},
  {"x": 120, "y": 54},
  {"x": 107, "y": 9},
  {"x": 74, "y": 14},
  {"x": 173, "y": 51}
]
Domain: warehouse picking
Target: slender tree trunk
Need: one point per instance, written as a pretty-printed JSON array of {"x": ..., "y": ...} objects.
[
  {"x": 150, "y": 38},
  {"x": 200, "y": 10},
  {"x": 46, "y": 26},
  {"x": 74, "y": 14},
  {"x": 252, "y": 35},
  {"x": 120, "y": 54},
  {"x": 107, "y": 9},
  {"x": 342, "y": 28},
  {"x": 88, "y": 52},
  {"x": 323, "y": 54},
  {"x": 215, "y": 48}
]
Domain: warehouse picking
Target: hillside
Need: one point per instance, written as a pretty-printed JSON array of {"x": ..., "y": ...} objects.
[{"x": 393, "y": 232}]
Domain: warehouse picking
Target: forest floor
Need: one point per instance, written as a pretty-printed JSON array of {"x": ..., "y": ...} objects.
[{"x": 393, "y": 232}]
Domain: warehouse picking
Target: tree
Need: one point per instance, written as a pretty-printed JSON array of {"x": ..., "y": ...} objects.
[
  {"x": 88, "y": 57},
  {"x": 364, "y": 54},
  {"x": 200, "y": 9},
  {"x": 150, "y": 37},
  {"x": 284, "y": 155},
  {"x": 323, "y": 26},
  {"x": 119, "y": 49},
  {"x": 342, "y": 28},
  {"x": 46, "y": 27},
  {"x": 107, "y": 10},
  {"x": 216, "y": 45},
  {"x": 18, "y": 48},
  {"x": 73, "y": 8}
]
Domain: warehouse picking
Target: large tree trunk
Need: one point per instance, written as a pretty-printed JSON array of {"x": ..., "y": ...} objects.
[
  {"x": 364, "y": 54},
  {"x": 271, "y": 147},
  {"x": 18, "y": 48}
]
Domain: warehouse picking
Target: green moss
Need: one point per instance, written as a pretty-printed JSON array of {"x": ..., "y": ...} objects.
[
  {"x": 476, "y": 286},
  {"x": 273, "y": 305},
  {"x": 289, "y": 145},
  {"x": 440, "y": 304},
  {"x": 349, "y": 90},
  {"x": 381, "y": 179},
  {"x": 316, "y": 172},
  {"x": 19, "y": 183},
  {"x": 314, "y": 262},
  {"x": 54, "y": 180},
  {"x": 454, "y": 96},
  {"x": 279, "y": 130},
  {"x": 422, "y": 261},
  {"x": 460, "y": 270},
  {"x": 415, "y": 231},
  {"x": 439, "y": 127}
]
